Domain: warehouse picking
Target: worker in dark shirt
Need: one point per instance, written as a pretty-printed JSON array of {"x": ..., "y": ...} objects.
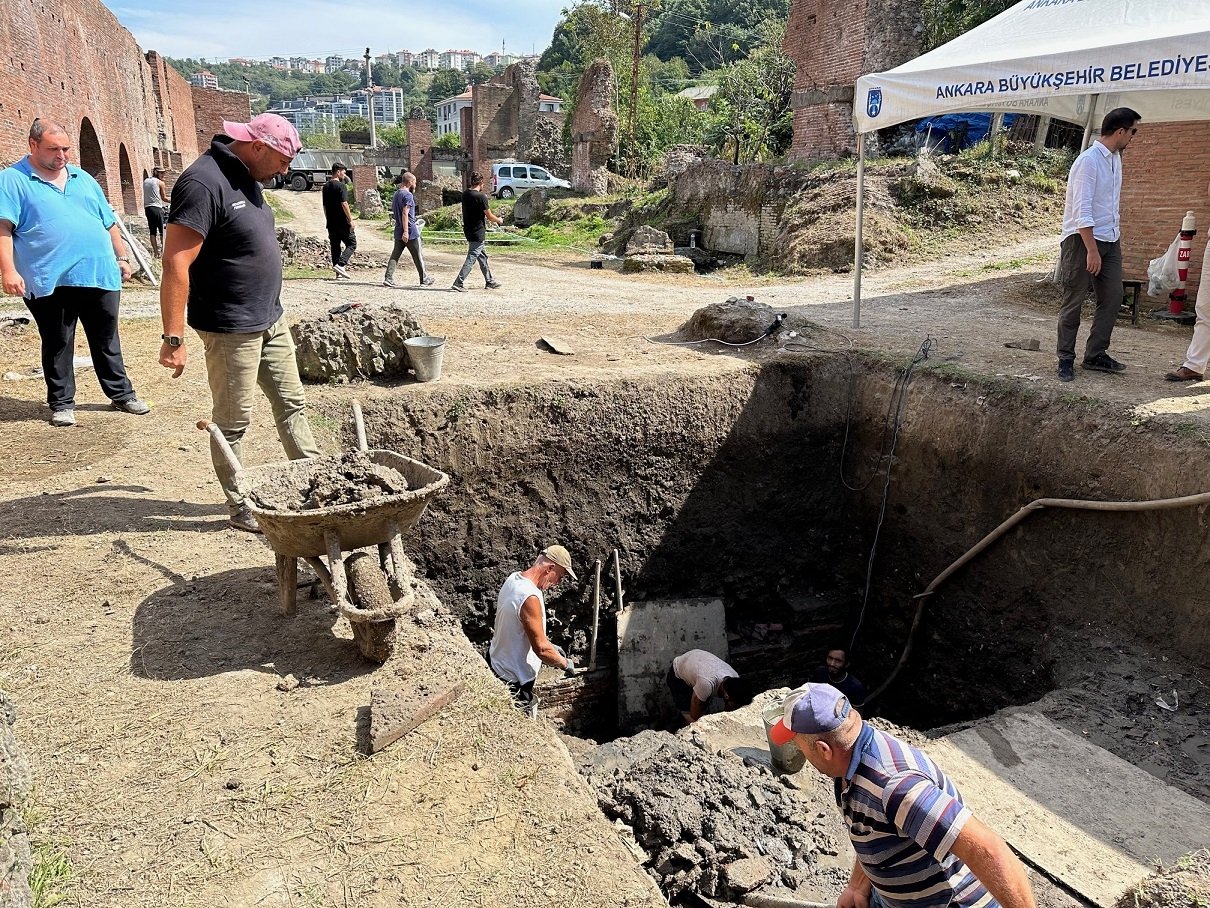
[
  {"x": 339, "y": 220},
  {"x": 835, "y": 671},
  {"x": 476, "y": 212}
]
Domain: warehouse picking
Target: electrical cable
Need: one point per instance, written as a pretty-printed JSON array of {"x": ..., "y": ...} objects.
[
  {"x": 769, "y": 332},
  {"x": 901, "y": 388}
]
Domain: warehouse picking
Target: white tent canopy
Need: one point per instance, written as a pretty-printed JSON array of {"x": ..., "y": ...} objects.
[{"x": 1070, "y": 59}]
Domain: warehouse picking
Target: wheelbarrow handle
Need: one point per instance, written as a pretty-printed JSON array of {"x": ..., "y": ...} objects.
[{"x": 219, "y": 439}]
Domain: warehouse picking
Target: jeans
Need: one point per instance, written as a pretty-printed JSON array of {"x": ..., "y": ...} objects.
[
  {"x": 235, "y": 365},
  {"x": 412, "y": 246},
  {"x": 476, "y": 252},
  {"x": 56, "y": 316},
  {"x": 1073, "y": 278},
  {"x": 346, "y": 237}
]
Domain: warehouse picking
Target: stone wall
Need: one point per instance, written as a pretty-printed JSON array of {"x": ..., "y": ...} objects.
[
  {"x": 175, "y": 122},
  {"x": 1165, "y": 172},
  {"x": 832, "y": 43},
  {"x": 504, "y": 119},
  {"x": 211, "y": 106},
  {"x": 594, "y": 129},
  {"x": 737, "y": 208},
  {"x": 420, "y": 146}
]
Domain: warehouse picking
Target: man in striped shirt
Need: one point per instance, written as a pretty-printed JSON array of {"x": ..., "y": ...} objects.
[{"x": 917, "y": 844}]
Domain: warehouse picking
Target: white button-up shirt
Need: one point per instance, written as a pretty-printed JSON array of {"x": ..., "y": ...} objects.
[{"x": 1094, "y": 188}]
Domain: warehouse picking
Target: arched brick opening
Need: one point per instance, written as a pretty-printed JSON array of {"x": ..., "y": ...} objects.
[
  {"x": 92, "y": 161},
  {"x": 130, "y": 202}
]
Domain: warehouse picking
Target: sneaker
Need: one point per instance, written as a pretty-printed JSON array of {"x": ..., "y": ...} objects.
[
  {"x": 243, "y": 519},
  {"x": 493, "y": 285},
  {"x": 340, "y": 271},
  {"x": 428, "y": 281},
  {"x": 1184, "y": 373},
  {"x": 134, "y": 405},
  {"x": 1103, "y": 362},
  {"x": 63, "y": 418},
  {"x": 461, "y": 288},
  {"x": 390, "y": 282}
]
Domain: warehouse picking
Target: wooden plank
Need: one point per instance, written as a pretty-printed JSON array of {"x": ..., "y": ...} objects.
[
  {"x": 1085, "y": 816},
  {"x": 394, "y": 713}
]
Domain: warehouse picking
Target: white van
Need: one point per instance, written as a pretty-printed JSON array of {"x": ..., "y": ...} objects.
[{"x": 511, "y": 179}]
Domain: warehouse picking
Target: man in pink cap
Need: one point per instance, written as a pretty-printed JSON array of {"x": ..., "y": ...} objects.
[
  {"x": 223, "y": 275},
  {"x": 917, "y": 844}
]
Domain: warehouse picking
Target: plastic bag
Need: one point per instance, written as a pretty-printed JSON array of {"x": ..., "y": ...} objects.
[{"x": 1162, "y": 273}]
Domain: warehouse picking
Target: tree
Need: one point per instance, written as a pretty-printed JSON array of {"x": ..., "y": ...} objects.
[
  {"x": 319, "y": 140},
  {"x": 945, "y": 20},
  {"x": 354, "y": 124},
  {"x": 479, "y": 73},
  {"x": 451, "y": 141},
  {"x": 711, "y": 33},
  {"x": 751, "y": 115},
  {"x": 392, "y": 136},
  {"x": 446, "y": 84}
]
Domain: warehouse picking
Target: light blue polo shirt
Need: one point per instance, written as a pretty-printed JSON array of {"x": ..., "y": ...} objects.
[{"x": 60, "y": 237}]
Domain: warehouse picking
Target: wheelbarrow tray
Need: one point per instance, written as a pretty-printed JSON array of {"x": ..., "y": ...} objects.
[{"x": 300, "y": 534}]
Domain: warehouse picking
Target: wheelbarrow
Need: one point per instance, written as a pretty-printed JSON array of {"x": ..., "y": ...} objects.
[{"x": 373, "y": 584}]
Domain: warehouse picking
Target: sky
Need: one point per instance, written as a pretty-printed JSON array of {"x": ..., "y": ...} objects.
[{"x": 317, "y": 28}]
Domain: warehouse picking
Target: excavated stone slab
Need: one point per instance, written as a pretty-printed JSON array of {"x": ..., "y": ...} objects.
[{"x": 394, "y": 713}]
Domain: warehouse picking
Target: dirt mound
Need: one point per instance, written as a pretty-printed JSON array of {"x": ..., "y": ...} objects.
[
  {"x": 359, "y": 343},
  {"x": 735, "y": 321},
  {"x": 1186, "y": 883},
  {"x": 708, "y": 823},
  {"x": 348, "y": 479}
]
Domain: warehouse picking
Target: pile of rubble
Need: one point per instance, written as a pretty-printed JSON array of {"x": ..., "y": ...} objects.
[
  {"x": 650, "y": 249},
  {"x": 356, "y": 343},
  {"x": 713, "y": 824}
]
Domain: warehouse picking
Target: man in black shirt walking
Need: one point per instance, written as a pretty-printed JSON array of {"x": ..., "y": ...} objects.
[
  {"x": 222, "y": 264},
  {"x": 339, "y": 219},
  {"x": 476, "y": 211}
]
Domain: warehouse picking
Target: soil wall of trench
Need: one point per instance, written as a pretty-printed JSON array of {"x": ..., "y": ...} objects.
[{"x": 732, "y": 486}]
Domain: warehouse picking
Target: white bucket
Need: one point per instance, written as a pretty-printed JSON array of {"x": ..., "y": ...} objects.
[
  {"x": 785, "y": 757},
  {"x": 426, "y": 354}
]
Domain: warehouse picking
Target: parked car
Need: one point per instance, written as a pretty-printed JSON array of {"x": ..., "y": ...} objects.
[{"x": 511, "y": 179}]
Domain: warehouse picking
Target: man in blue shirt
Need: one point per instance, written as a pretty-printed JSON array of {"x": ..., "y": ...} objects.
[
  {"x": 407, "y": 231},
  {"x": 917, "y": 844},
  {"x": 62, "y": 252}
]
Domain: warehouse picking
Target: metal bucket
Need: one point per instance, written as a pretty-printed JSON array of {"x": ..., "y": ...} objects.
[
  {"x": 426, "y": 354},
  {"x": 785, "y": 757}
]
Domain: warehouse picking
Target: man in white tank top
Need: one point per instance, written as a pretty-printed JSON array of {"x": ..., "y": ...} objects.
[
  {"x": 155, "y": 206},
  {"x": 519, "y": 644}
]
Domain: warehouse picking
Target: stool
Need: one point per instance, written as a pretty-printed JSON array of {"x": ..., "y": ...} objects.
[{"x": 1131, "y": 291}]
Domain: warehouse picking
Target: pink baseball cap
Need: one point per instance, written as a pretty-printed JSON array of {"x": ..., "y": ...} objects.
[{"x": 276, "y": 132}]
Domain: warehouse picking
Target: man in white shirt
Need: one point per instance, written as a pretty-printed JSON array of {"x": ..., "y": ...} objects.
[
  {"x": 519, "y": 644},
  {"x": 697, "y": 677},
  {"x": 1091, "y": 245}
]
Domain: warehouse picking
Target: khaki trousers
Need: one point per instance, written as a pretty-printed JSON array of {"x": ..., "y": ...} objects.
[{"x": 235, "y": 365}]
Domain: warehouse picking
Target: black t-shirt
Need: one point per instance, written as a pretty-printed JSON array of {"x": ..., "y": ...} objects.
[
  {"x": 850, "y": 686},
  {"x": 474, "y": 215},
  {"x": 335, "y": 195},
  {"x": 235, "y": 282}
]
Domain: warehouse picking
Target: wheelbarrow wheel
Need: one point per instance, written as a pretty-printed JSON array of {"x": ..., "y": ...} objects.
[{"x": 371, "y": 593}]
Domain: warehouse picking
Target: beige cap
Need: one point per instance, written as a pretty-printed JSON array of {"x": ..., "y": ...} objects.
[{"x": 561, "y": 557}]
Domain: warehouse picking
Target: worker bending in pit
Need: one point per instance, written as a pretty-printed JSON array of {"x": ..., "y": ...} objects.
[
  {"x": 835, "y": 671},
  {"x": 697, "y": 677},
  {"x": 917, "y": 844},
  {"x": 519, "y": 646}
]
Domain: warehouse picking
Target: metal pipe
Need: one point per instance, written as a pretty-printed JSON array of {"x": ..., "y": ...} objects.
[
  {"x": 596, "y": 614},
  {"x": 1074, "y": 504},
  {"x": 1092, "y": 112},
  {"x": 617, "y": 579},
  {"x": 858, "y": 237}
]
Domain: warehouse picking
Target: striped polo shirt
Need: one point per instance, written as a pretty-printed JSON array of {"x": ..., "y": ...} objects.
[{"x": 904, "y": 816}]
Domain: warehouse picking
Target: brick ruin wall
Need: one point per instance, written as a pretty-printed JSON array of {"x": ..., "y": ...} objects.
[
  {"x": 504, "y": 119},
  {"x": 1166, "y": 172},
  {"x": 127, "y": 113},
  {"x": 832, "y": 43}
]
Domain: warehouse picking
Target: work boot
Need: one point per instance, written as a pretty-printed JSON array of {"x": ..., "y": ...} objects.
[
  {"x": 1067, "y": 371},
  {"x": 61, "y": 419},
  {"x": 1103, "y": 362},
  {"x": 242, "y": 518},
  {"x": 134, "y": 405},
  {"x": 1184, "y": 373}
]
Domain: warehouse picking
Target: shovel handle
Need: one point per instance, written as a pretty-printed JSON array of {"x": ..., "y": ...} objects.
[
  {"x": 359, "y": 427},
  {"x": 216, "y": 434}
]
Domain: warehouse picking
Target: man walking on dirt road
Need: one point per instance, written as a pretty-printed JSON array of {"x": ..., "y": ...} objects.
[
  {"x": 519, "y": 644},
  {"x": 222, "y": 264},
  {"x": 407, "y": 231},
  {"x": 339, "y": 220},
  {"x": 476, "y": 211},
  {"x": 917, "y": 844},
  {"x": 62, "y": 251},
  {"x": 1091, "y": 245}
]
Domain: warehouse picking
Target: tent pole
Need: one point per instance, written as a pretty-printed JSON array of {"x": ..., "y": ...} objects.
[
  {"x": 858, "y": 239},
  {"x": 1092, "y": 114}
]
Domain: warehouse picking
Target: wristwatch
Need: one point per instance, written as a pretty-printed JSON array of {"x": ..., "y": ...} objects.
[
  {"x": 122, "y": 258},
  {"x": 172, "y": 340}
]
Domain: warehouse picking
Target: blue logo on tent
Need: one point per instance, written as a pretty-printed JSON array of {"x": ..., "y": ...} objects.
[{"x": 873, "y": 102}]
